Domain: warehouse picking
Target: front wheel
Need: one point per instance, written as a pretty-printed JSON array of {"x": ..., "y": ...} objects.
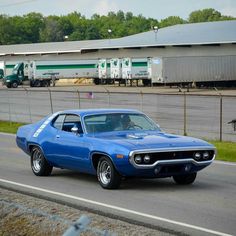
[
  {"x": 107, "y": 175},
  {"x": 39, "y": 164},
  {"x": 185, "y": 179},
  {"x": 14, "y": 84}
]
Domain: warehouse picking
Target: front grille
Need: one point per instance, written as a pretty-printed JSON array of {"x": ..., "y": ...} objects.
[{"x": 173, "y": 155}]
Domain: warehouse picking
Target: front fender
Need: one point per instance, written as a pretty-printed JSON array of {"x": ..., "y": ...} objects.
[
  {"x": 118, "y": 155},
  {"x": 10, "y": 78}
]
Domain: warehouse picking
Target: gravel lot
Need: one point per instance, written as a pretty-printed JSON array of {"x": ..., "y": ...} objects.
[{"x": 26, "y": 215}]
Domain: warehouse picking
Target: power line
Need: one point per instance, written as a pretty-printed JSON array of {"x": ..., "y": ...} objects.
[{"x": 17, "y": 3}]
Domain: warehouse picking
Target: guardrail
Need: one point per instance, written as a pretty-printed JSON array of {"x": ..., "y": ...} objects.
[{"x": 203, "y": 116}]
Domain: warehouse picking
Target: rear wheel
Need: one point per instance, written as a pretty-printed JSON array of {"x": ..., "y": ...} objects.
[
  {"x": 37, "y": 83},
  {"x": 45, "y": 83},
  {"x": 185, "y": 179},
  {"x": 96, "y": 81},
  {"x": 146, "y": 82},
  {"x": 39, "y": 164},
  {"x": 107, "y": 175}
]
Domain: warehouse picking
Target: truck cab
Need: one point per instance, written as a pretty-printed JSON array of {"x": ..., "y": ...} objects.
[
  {"x": 1, "y": 73},
  {"x": 17, "y": 77},
  {"x": 25, "y": 73}
]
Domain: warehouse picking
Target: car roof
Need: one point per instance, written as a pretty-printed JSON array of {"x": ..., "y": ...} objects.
[{"x": 85, "y": 112}]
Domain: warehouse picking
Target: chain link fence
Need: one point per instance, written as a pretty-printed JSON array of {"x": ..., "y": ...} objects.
[{"x": 209, "y": 117}]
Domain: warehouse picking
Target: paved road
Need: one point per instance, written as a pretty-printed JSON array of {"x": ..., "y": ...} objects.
[{"x": 209, "y": 203}]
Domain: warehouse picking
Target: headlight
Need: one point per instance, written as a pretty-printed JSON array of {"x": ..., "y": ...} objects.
[
  {"x": 8, "y": 80},
  {"x": 147, "y": 158},
  {"x": 138, "y": 159},
  {"x": 206, "y": 155},
  {"x": 197, "y": 156}
]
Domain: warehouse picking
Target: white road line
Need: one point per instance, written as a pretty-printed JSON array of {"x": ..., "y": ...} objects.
[
  {"x": 7, "y": 134},
  {"x": 225, "y": 163},
  {"x": 117, "y": 208}
]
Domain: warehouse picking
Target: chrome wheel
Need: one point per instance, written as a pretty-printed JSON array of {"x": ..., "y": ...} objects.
[
  {"x": 37, "y": 161},
  {"x": 105, "y": 172},
  {"x": 108, "y": 176},
  {"x": 39, "y": 164}
]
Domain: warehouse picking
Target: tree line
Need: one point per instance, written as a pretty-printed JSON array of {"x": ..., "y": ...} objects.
[{"x": 35, "y": 28}]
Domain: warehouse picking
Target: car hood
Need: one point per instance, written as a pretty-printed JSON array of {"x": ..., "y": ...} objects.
[{"x": 150, "y": 140}]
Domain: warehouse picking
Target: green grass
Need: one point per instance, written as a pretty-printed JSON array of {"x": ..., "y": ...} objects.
[
  {"x": 9, "y": 127},
  {"x": 226, "y": 151}
]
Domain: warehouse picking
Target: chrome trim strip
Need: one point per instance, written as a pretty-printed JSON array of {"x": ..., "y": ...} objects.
[{"x": 175, "y": 161}]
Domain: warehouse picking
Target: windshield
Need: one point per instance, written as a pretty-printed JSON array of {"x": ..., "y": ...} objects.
[
  {"x": 118, "y": 122},
  {"x": 15, "y": 69}
]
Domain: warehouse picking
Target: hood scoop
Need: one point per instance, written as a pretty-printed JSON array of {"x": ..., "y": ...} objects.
[{"x": 136, "y": 136}]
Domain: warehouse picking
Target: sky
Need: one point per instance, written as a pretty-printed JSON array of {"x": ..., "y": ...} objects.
[{"x": 157, "y": 9}]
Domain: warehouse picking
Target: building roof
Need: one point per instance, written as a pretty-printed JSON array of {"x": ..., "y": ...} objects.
[{"x": 207, "y": 33}]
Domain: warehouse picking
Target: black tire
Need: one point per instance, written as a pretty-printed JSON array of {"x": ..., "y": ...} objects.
[
  {"x": 96, "y": 81},
  {"x": 146, "y": 82},
  {"x": 39, "y": 164},
  {"x": 37, "y": 83},
  {"x": 14, "y": 84},
  {"x": 45, "y": 83},
  {"x": 185, "y": 179},
  {"x": 107, "y": 175},
  {"x": 110, "y": 81},
  {"x": 9, "y": 85}
]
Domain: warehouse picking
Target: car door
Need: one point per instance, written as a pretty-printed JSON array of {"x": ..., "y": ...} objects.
[{"x": 68, "y": 149}]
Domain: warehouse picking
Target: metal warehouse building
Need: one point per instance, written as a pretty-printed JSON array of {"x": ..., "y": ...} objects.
[{"x": 188, "y": 52}]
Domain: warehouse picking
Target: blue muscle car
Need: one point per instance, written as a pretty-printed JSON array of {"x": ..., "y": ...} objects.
[{"x": 112, "y": 144}]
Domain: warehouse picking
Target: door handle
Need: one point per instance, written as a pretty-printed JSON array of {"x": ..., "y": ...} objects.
[{"x": 57, "y": 136}]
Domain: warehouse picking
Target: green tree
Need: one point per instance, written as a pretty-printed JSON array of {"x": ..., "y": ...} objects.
[
  {"x": 31, "y": 24},
  {"x": 65, "y": 25},
  {"x": 11, "y": 30},
  {"x": 204, "y": 15},
  {"x": 52, "y": 31},
  {"x": 5, "y": 30},
  {"x": 171, "y": 20},
  {"x": 34, "y": 27}
]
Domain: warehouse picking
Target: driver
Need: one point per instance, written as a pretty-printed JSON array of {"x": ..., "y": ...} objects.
[{"x": 126, "y": 122}]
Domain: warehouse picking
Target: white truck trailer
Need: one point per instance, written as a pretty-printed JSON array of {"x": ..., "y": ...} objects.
[
  {"x": 116, "y": 69},
  {"x": 44, "y": 73},
  {"x": 134, "y": 69},
  {"x": 189, "y": 70},
  {"x": 104, "y": 72},
  {"x": 155, "y": 70},
  {"x": 122, "y": 70}
]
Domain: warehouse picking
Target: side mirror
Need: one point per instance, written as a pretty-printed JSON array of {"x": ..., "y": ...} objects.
[{"x": 75, "y": 130}]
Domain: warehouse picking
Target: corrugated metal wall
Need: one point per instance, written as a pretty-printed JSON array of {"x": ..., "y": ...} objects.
[{"x": 200, "y": 68}]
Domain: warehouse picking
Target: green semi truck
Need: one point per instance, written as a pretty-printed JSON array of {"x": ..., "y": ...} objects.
[
  {"x": 45, "y": 73},
  {"x": 25, "y": 73}
]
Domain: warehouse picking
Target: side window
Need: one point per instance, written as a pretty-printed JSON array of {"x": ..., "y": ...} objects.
[
  {"x": 58, "y": 122},
  {"x": 70, "y": 122}
]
